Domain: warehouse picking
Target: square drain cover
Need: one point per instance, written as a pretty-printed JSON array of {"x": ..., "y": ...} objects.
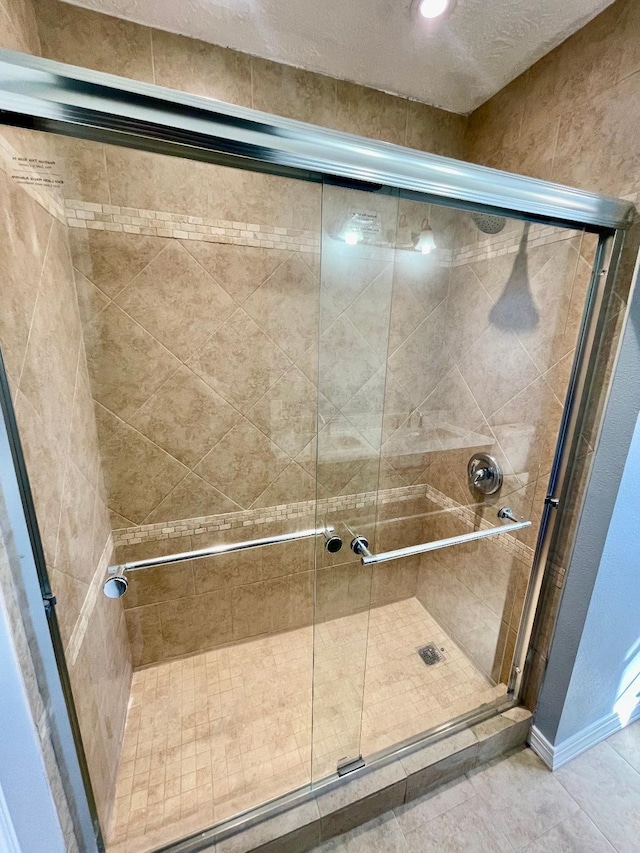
[{"x": 430, "y": 654}]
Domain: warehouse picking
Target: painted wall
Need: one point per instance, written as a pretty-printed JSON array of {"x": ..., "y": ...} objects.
[
  {"x": 611, "y": 670},
  {"x": 23, "y": 777},
  {"x": 593, "y": 666}
]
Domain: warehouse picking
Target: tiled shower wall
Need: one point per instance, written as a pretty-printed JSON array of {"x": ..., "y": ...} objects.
[
  {"x": 42, "y": 344},
  {"x": 509, "y": 327},
  {"x": 572, "y": 118},
  {"x": 203, "y": 357},
  {"x": 120, "y": 189},
  {"x": 138, "y": 219},
  {"x": 242, "y": 241}
]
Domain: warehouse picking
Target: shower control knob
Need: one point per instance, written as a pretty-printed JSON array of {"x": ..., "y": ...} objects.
[{"x": 484, "y": 474}]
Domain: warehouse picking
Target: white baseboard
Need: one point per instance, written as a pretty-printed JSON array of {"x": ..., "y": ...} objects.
[{"x": 554, "y": 756}]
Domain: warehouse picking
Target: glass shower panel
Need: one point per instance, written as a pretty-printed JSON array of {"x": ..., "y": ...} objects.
[
  {"x": 160, "y": 332},
  {"x": 358, "y": 249},
  {"x": 482, "y": 341},
  {"x": 201, "y": 357}
]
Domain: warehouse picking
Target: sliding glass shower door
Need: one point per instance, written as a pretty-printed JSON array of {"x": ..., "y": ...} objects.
[
  {"x": 356, "y": 279},
  {"x": 246, "y": 372},
  {"x": 447, "y": 340}
]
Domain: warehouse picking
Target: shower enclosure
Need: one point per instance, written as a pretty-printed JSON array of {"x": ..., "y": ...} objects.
[{"x": 323, "y": 397}]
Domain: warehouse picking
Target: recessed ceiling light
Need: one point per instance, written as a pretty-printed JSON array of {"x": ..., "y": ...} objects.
[
  {"x": 433, "y": 8},
  {"x": 433, "y": 13}
]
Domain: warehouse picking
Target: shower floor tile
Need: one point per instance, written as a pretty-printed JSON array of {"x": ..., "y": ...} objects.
[{"x": 215, "y": 734}]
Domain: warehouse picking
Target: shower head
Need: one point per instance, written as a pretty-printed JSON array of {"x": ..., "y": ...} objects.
[
  {"x": 488, "y": 223},
  {"x": 115, "y": 586}
]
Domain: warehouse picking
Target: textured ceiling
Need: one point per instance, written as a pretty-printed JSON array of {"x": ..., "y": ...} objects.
[{"x": 483, "y": 46}]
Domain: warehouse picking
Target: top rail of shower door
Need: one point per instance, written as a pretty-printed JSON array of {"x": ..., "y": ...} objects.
[
  {"x": 368, "y": 559},
  {"x": 225, "y": 548},
  {"x": 46, "y": 95}
]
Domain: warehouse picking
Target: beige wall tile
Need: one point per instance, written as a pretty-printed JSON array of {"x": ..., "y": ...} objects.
[
  {"x": 201, "y": 69},
  {"x": 227, "y": 570},
  {"x": 239, "y": 348},
  {"x": 138, "y": 179},
  {"x": 436, "y": 131},
  {"x": 138, "y": 473},
  {"x": 143, "y": 627},
  {"x": 286, "y": 307},
  {"x": 26, "y": 228},
  {"x": 84, "y": 168},
  {"x": 18, "y": 27},
  {"x": 74, "y": 551},
  {"x": 175, "y": 300},
  {"x": 126, "y": 364},
  {"x": 245, "y": 196},
  {"x": 111, "y": 260},
  {"x": 274, "y": 605},
  {"x": 497, "y": 123},
  {"x": 144, "y": 550},
  {"x": 244, "y": 449},
  {"x": 367, "y": 112},
  {"x": 192, "y": 498},
  {"x": 199, "y": 622},
  {"x": 185, "y": 417},
  {"x": 394, "y": 581},
  {"x": 581, "y": 163},
  {"x": 93, "y": 40},
  {"x": 91, "y": 301},
  {"x": 292, "y": 485},
  {"x": 293, "y": 92},
  {"x": 160, "y": 583},
  {"x": 341, "y": 591},
  {"x": 288, "y": 558},
  {"x": 70, "y": 593},
  {"x": 239, "y": 269},
  {"x": 287, "y": 412}
]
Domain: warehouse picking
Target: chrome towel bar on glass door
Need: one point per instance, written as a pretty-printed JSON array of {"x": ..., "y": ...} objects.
[
  {"x": 226, "y": 548},
  {"x": 360, "y": 545}
]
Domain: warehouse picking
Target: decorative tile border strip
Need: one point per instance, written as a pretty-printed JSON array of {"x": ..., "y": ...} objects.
[
  {"x": 309, "y": 509},
  {"x": 89, "y": 603},
  {"x": 257, "y": 517},
  {"x": 159, "y": 223},
  {"x": 507, "y": 244}
]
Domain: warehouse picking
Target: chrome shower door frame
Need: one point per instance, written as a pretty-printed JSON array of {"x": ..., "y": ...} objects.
[{"x": 47, "y": 96}]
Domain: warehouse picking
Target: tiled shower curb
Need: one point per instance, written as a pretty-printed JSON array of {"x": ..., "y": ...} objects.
[{"x": 371, "y": 791}]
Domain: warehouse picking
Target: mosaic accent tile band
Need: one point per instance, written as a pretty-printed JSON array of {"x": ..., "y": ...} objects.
[
  {"x": 160, "y": 223},
  {"x": 268, "y": 515},
  {"x": 157, "y": 223},
  {"x": 509, "y": 243}
]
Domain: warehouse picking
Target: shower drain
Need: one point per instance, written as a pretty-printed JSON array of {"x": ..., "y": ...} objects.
[{"x": 430, "y": 654}]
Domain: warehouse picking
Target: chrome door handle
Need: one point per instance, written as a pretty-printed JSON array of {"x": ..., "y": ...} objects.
[{"x": 360, "y": 545}]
